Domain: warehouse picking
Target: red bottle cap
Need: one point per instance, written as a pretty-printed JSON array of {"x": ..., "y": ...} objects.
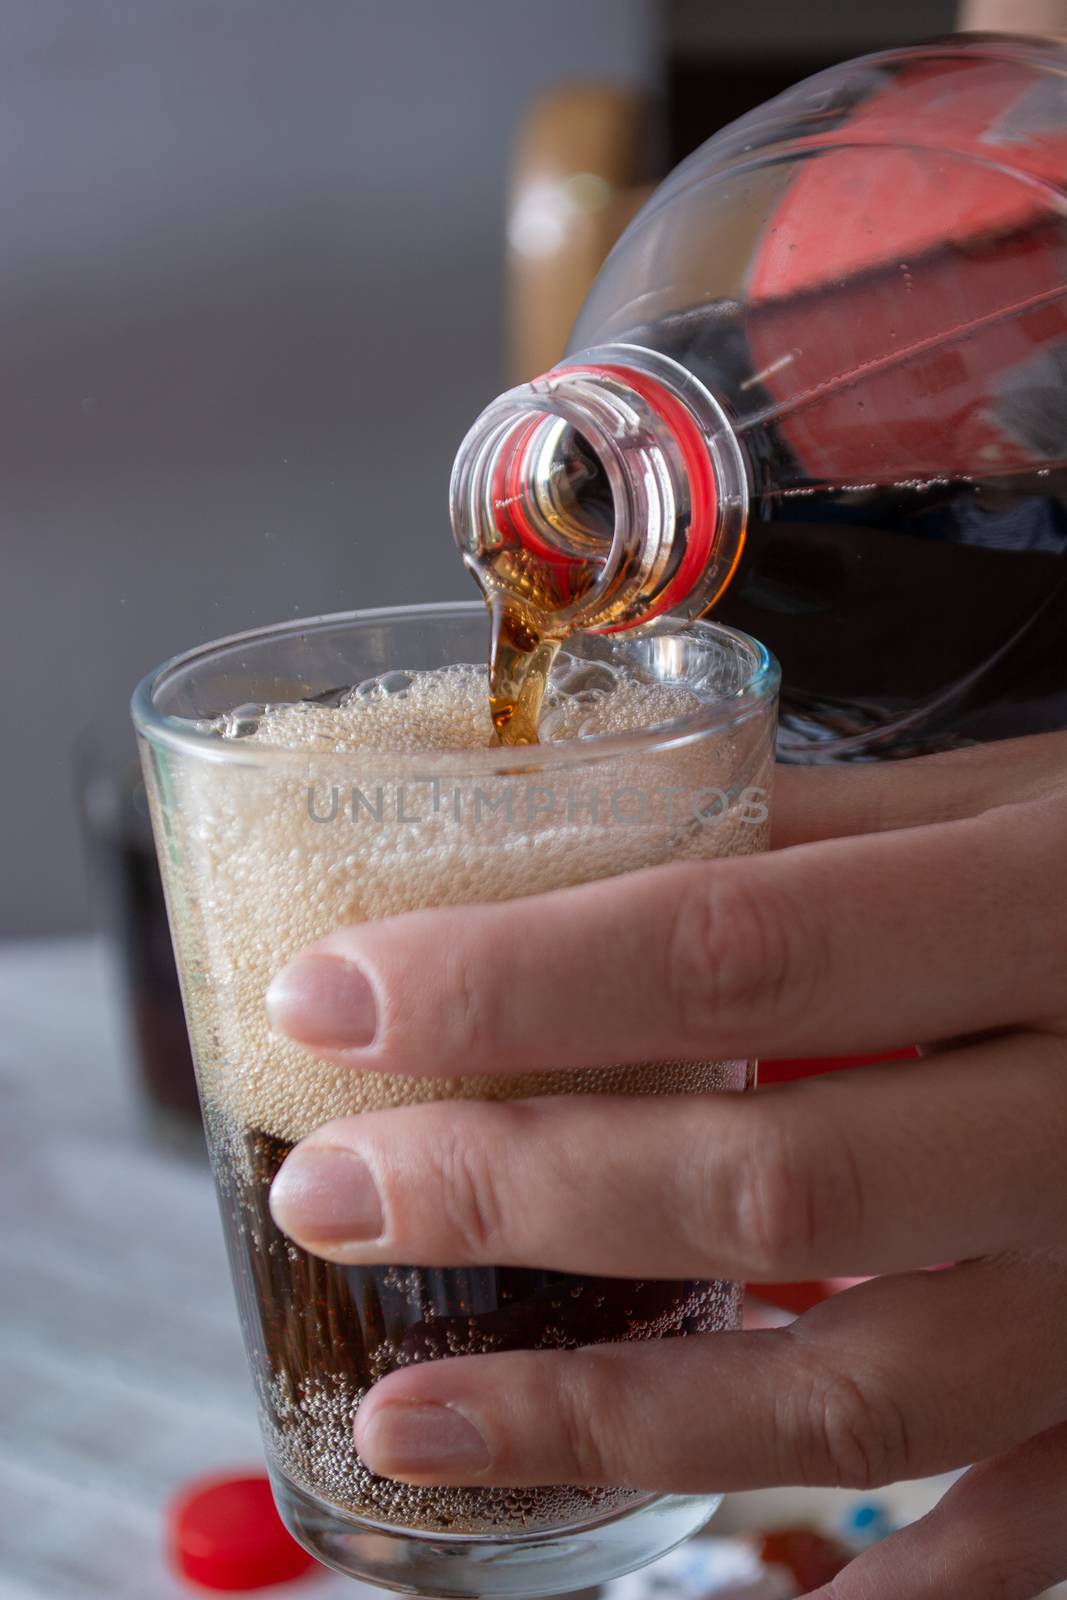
[
  {"x": 812, "y": 1558},
  {"x": 224, "y": 1533}
]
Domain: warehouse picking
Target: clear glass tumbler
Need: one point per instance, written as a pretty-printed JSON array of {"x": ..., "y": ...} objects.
[{"x": 265, "y": 847}]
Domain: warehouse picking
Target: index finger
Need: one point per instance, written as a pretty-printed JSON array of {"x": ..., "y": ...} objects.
[{"x": 865, "y": 943}]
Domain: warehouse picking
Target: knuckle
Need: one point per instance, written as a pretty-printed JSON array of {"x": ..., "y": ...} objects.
[
  {"x": 774, "y": 1210},
  {"x": 465, "y": 1032},
  {"x": 473, "y": 1206},
  {"x": 733, "y": 943},
  {"x": 585, "y": 1405},
  {"x": 798, "y": 1192},
  {"x": 474, "y": 1022},
  {"x": 856, "y": 1434}
]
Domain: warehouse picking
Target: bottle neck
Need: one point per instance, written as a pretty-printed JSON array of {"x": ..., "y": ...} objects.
[{"x": 604, "y": 494}]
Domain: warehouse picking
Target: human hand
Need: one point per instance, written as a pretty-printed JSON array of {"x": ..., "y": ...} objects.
[{"x": 921, "y": 900}]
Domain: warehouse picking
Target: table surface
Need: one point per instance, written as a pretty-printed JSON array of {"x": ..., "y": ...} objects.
[{"x": 121, "y": 1368}]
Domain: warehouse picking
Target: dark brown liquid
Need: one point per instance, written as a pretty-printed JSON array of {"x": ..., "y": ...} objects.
[
  {"x": 531, "y": 581},
  {"x": 520, "y": 660},
  {"x": 525, "y": 595},
  {"x": 320, "y": 1335}
]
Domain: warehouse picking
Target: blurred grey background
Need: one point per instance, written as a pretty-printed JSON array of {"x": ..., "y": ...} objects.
[
  {"x": 250, "y": 299},
  {"x": 251, "y": 295}
]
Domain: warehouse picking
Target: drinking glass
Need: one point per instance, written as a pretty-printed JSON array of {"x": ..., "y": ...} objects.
[{"x": 265, "y": 847}]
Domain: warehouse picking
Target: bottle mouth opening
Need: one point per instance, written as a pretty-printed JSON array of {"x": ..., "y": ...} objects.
[
  {"x": 542, "y": 496},
  {"x": 557, "y": 498},
  {"x": 602, "y": 495},
  {"x": 695, "y": 509}
]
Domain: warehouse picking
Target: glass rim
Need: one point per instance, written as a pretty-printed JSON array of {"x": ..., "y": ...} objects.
[{"x": 181, "y": 734}]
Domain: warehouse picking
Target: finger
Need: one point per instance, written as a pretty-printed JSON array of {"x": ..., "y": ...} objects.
[
  {"x": 828, "y": 802},
  {"x": 1000, "y": 1533},
  {"x": 854, "y": 944},
  {"x": 876, "y": 1384},
  {"x": 877, "y": 1171}
]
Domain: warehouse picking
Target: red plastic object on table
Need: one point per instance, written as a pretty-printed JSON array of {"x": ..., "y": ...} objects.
[
  {"x": 812, "y": 1558},
  {"x": 225, "y": 1534}
]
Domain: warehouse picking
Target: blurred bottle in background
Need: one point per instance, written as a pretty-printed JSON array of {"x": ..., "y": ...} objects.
[{"x": 129, "y": 910}]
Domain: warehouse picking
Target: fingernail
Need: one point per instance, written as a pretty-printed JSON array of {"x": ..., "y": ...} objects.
[
  {"x": 323, "y": 1000},
  {"x": 417, "y": 1441},
  {"x": 326, "y": 1196}
]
